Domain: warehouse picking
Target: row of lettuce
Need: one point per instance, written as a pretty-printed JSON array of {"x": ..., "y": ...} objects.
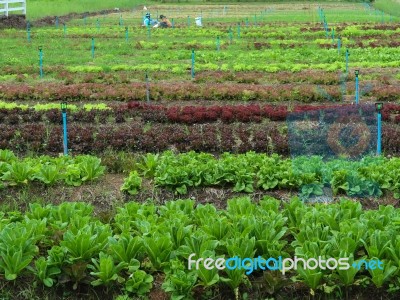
[
  {"x": 142, "y": 137},
  {"x": 311, "y": 176},
  {"x": 66, "y": 245},
  {"x": 185, "y": 91},
  {"x": 242, "y": 65},
  {"x": 21, "y": 74},
  {"x": 228, "y": 38},
  {"x": 13, "y": 113},
  {"x": 48, "y": 170},
  {"x": 277, "y": 31},
  {"x": 241, "y": 55}
]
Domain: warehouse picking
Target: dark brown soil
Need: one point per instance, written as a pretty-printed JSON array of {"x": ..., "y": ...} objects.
[
  {"x": 105, "y": 195},
  {"x": 12, "y": 21},
  {"x": 157, "y": 293},
  {"x": 19, "y": 21},
  {"x": 50, "y": 20}
]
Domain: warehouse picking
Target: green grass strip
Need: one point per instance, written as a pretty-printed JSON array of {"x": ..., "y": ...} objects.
[{"x": 388, "y": 6}]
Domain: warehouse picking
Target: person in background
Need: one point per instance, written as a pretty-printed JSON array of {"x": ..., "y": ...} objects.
[
  {"x": 165, "y": 23},
  {"x": 148, "y": 21}
]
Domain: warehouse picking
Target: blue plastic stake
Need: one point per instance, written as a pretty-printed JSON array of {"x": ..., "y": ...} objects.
[
  {"x": 65, "y": 132},
  {"x": 93, "y": 47},
  {"x": 56, "y": 22},
  {"x": 192, "y": 70},
  {"x": 65, "y": 30},
  {"x": 218, "y": 43},
  {"x": 339, "y": 44},
  {"x": 379, "y": 141},
  {"x": 98, "y": 24},
  {"x": 28, "y": 31},
  {"x": 230, "y": 35},
  {"x": 121, "y": 21},
  {"x": 41, "y": 61},
  {"x": 84, "y": 20},
  {"x": 347, "y": 61},
  {"x": 357, "y": 88},
  {"x": 238, "y": 30},
  {"x": 247, "y": 22},
  {"x": 172, "y": 23},
  {"x": 126, "y": 34}
]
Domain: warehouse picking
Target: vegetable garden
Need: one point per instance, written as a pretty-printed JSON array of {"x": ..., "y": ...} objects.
[{"x": 179, "y": 143}]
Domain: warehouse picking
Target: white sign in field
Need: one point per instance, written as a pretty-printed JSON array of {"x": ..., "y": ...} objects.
[{"x": 7, "y": 6}]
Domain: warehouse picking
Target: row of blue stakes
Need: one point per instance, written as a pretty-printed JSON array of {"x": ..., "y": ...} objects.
[
  {"x": 322, "y": 16},
  {"x": 193, "y": 74},
  {"x": 339, "y": 42},
  {"x": 64, "y": 115},
  {"x": 230, "y": 35},
  {"x": 379, "y": 106},
  {"x": 246, "y": 21},
  {"x": 64, "y": 105},
  {"x": 121, "y": 23},
  {"x": 261, "y": 16}
]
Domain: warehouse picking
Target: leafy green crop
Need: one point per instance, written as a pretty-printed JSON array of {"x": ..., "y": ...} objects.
[
  {"x": 49, "y": 174},
  {"x": 18, "y": 246},
  {"x": 144, "y": 238},
  {"x": 85, "y": 242},
  {"x": 90, "y": 167},
  {"x": 139, "y": 283},
  {"x": 47, "y": 170},
  {"x": 45, "y": 271},
  {"x": 132, "y": 184},
  {"x": 105, "y": 270},
  {"x": 371, "y": 176}
]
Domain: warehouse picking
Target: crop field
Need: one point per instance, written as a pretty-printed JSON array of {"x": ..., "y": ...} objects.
[{"x": 132, "y": 157}]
